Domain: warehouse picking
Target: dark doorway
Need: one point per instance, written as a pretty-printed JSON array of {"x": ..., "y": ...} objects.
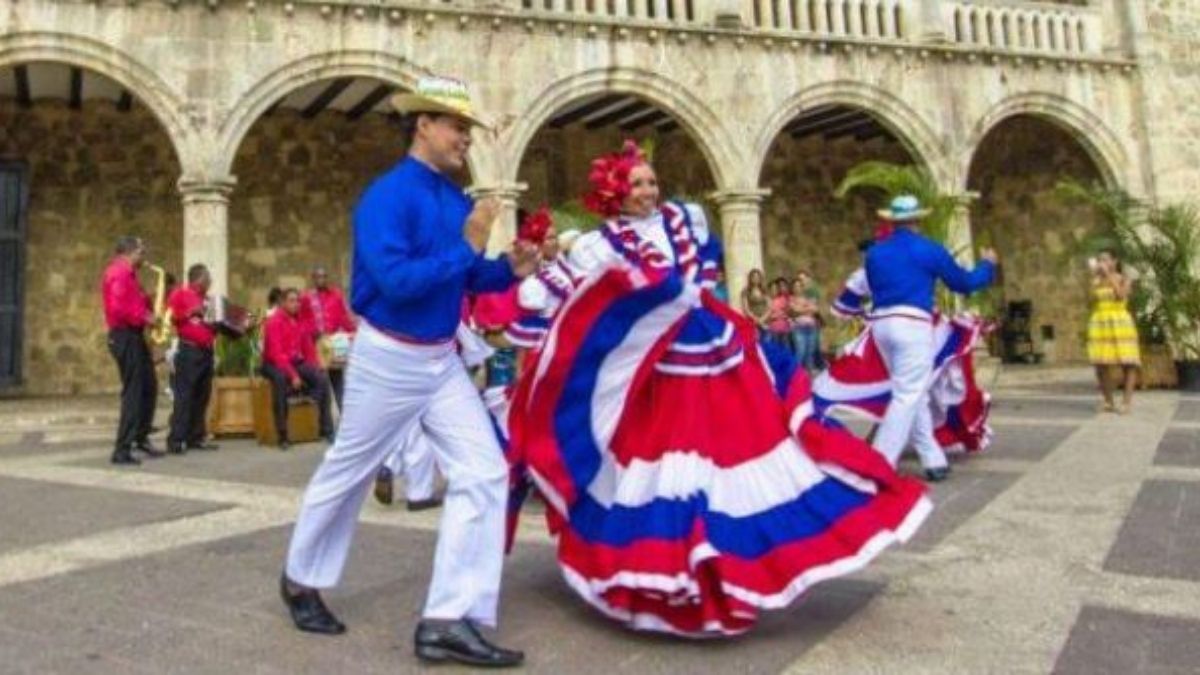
[{"x": 13, "y": 201}]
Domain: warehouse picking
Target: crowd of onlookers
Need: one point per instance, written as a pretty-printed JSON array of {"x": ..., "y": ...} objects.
[{"x": 788, "y": 313}]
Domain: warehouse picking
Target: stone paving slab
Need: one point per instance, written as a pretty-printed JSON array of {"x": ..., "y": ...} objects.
[
  {"x": 1027, "y": 442},
  {"x": 213, "y": 608},
  {"x": 1179, "y": 447},
  {"x": 1161, "y": 535},
  {"x": 34, "y": 513},
  {"x": 1034, "y": 407},
  {"x": 1107, "y": 641},
  {"x": 956, "y": 501}
]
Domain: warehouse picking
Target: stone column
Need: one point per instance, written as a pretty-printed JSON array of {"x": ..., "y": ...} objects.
[
  {"x": 961, "y": 241},
  {"x": 505, "y": 230},
  {"x": 740, "y": 212},
  {"x": 928, "y": 17},
  {"x": 206, "y": 226}
]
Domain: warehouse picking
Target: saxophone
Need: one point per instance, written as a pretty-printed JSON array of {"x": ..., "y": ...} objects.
[{"x": 160, "y": 332}]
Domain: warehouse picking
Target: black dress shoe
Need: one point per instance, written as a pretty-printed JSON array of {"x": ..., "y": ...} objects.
[
  {"x": 384, "y": 482},
  {"x": 460, "y": 641},
  {"x": 124, "y": 456},
  {"x": 937, "y": 475},
  {"x": 201, "y": 445},
  {"x": 148, "y": 449},
  {"x": 309, "y": 612},
  {"x": 176, "y": 448},
  {"x": 424, "y": 504}
]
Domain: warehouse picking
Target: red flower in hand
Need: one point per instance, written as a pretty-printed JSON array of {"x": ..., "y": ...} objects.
[{"x": 536, "y": 227}]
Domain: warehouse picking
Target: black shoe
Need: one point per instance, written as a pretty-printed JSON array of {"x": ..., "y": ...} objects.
[
  {"x": 147, "y": 448},
  {"x": 309, "y": 612},
  {"x": 937, "y": 475},
  {"x": 176, "y": 448},
  {"x": 383, "y": 486},
  {"x": 424, "y": 504},
  {"x": 201, "y": 445},
  {"x": 460, "y": 641},
  {"x": 124, "y": 456}
]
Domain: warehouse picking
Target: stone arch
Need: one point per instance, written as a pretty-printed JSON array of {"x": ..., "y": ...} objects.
[
  {"x": 702, "y": 124},
  {"x": 1086, "y": 128},
  {"x": 256, "y": 100},
  {"x": 160, "y": 98},
  {"x": 897, "y": 116}
]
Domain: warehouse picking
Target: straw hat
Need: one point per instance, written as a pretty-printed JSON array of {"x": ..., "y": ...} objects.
[
  {"x": 439, "y": 95},
  {"x": 904, "y": 209}
]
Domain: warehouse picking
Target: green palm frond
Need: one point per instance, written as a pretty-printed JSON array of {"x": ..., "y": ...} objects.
[{"x": 898, "y": 179}]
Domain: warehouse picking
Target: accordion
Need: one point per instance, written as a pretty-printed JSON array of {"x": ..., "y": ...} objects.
[{"x": 229, "y": 318}]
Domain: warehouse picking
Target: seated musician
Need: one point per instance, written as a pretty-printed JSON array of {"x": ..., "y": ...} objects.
[
  {"x": 324, "y": 311},
  {"x": 290, "y": 363}
]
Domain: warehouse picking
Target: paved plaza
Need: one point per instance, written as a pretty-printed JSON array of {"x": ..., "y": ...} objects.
[{"x": 1073, "y": 546}]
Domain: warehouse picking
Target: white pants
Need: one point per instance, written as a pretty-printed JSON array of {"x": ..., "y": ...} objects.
[
  {"x": 413, "y": 458},
  {"x": 906, "y": 345},
  {"x": 390, "y": 388}
]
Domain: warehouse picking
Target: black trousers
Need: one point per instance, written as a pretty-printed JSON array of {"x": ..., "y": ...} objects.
[
  {"x": 192, "y": 386},
  {"x": 315, "y": 385},
  {"x": 337, "y": 378},
  {"x": 138, "y": 383}
]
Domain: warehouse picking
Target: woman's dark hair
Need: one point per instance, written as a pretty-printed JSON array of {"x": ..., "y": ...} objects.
[
  {"x": 1116, "y": 258},
  {"x": 782, "y": 281},
  {"x": 274, "y": 296}
]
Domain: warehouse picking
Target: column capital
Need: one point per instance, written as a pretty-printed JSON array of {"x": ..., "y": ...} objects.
[
  {"x": 505, "y": 192},
  {"x": 196, "y": 189},
  {"x": 745, "y": 198}
]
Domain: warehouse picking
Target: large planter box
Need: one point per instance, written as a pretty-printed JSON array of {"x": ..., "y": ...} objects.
[
  {"x": 231, "y": 408},
  {"x": 1158, "y": 368}
]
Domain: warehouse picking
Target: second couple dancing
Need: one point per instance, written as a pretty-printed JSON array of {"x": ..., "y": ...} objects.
[{"x": 689, "y": 483}]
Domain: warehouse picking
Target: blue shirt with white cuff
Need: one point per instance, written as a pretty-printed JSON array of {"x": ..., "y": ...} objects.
[
  {"x": 903, "y": 270},
  {"x": 411, "y": 264}
]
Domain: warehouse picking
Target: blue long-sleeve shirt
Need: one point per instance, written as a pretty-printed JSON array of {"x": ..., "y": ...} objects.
[
  {"x": 411, "y": 264},
  {"x": 903, "y": 270}
]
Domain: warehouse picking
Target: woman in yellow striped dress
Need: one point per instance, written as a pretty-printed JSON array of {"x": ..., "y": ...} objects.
[{"x": 1112, "y": 335}]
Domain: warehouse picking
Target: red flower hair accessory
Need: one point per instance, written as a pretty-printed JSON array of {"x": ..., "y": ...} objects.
[
  {"x": 609, "y": 178},
  {"x": 536, "y": 227}
]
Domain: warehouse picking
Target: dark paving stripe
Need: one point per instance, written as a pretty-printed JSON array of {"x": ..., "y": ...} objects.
[
  {"x": 214, "y": 608},
  {"x": 1044, "y": 408},
  {"x": 1179, "y": 447},
  {"x": 36, "y": 512},
  {"x": 1188, "y": 411},
  {"x": 956, "y": 500},
  {"x": 1029, "y": 442},
  {"x": 1160, "y": 537},
  {"x": 1107, "y": 641}
]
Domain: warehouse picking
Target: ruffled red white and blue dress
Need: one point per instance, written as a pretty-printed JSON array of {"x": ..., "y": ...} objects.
[{"x": 686, "y": 495}]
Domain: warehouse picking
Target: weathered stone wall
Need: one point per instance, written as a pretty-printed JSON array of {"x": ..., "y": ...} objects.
[
  {"x": 94, "y": 174},
  {"x": 1170, "y": 66},
  {"x": 1034, "y": 231},
  {"x": 804, "y": 225},
  {"x": 298, "y": 181}
]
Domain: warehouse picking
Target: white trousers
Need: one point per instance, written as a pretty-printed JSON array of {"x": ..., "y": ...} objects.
[
  {"x": 413, "y": 458},
  {"x": 390, "y": 388},
  {"x": 906, "y": 345}
]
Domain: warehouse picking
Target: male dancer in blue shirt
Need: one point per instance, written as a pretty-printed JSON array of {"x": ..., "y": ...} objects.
[
  {"x": 418, "y": 247},
  {"x": 902, "y": 272}
]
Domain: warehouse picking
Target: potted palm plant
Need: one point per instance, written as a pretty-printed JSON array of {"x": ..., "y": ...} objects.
[
  {"x": 1161, "y": 245},
  {"x": 231, "y": 408}
]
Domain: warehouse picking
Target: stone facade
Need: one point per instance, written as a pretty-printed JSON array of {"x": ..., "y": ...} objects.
[
  {"x": 298, "y": 180},
  {"x": 99, "y": 173},
  {"x": 1120, "y": 76},
  {"x": 1034, "y": 230}
]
